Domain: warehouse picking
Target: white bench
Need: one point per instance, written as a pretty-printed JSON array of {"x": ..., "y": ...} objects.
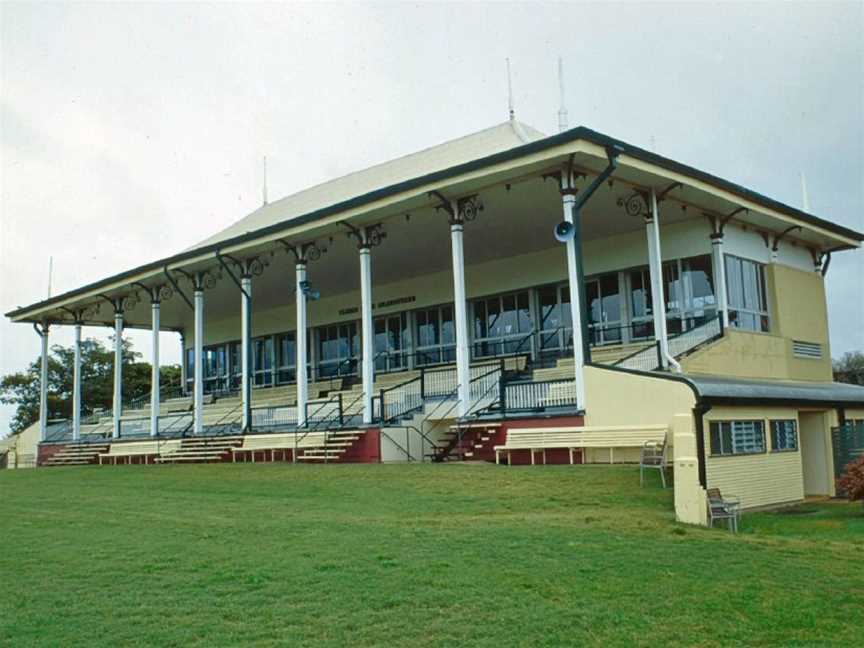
[{"x": 576, "y": 438}]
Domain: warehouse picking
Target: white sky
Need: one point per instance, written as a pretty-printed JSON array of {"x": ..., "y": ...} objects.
[{"x": 128, "y": 132}]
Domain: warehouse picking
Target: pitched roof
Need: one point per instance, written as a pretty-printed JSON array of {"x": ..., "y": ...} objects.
[{"x": 490, "y": 141}]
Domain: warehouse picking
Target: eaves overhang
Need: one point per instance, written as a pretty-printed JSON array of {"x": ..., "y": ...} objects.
[{"x": 205, "y": 253}]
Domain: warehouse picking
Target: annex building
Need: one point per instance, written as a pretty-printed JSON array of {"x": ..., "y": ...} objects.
[{"x": 505, "y": 295}]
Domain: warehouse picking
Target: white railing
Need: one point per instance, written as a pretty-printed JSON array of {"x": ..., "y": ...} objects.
[
  {"x": 648, "y": 359},
  {"x": 539, "y": 395}
]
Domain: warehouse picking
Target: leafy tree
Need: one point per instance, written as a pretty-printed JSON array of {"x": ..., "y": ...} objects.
[
  {"x": 850, "y": 368},
  {"x": 97, "y": 382}
]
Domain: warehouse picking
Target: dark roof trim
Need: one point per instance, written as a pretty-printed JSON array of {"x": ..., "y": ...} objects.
[
  {"x": 779, "y": 402},
  {"x": 574, "y": 134}
]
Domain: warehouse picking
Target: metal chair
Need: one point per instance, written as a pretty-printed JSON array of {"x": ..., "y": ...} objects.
[
  {"x": 653, "y": 456},
  {"x": 723, "y": 508}
]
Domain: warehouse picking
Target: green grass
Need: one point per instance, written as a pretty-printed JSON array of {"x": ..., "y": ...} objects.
[{"x": 450, "y": 555}]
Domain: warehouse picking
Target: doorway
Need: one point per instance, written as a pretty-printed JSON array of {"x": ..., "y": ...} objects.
[{"x": 816, "y": 460}]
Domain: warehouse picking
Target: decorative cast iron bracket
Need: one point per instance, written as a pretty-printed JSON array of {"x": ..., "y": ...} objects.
[{"x": 366, "y": 237}]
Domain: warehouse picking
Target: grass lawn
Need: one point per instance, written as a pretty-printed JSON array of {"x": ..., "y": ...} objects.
[{"x": 386, "y": 555}]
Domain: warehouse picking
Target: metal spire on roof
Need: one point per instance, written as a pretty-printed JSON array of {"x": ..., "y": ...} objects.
[
  {"x": 562, "y": 111},
  {"x": 805, "y": 198},
  {"x": 264, "y": 189},
  {"x": 510, "y": 92}
]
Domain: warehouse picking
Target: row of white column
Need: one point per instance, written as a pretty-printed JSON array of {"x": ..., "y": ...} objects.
[{"x": 368, "y": 370}]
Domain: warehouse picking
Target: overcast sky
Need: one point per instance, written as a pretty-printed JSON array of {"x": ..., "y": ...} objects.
[{"x": 130, "y": 132}]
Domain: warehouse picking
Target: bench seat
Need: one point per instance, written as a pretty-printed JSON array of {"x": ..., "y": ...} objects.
[{"x": 577, "y": 438}]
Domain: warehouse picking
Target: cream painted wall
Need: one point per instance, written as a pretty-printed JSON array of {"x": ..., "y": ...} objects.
[
  {"x": 761, "y": 479},
  {"x": 798, "y": 311},
  {"x": 749, "y": 244},
  {"x": 620, "y": 398}
]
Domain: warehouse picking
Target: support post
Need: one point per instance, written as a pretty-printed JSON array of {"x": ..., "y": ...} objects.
[
  {"x": 76, "y": 386},
  {"x": 155, "y": 385},
  {"x": 43, "y": 383},
  {"x": 578, "y": 313},
  {"x": 246, "y": 350},
  {"x": 302, "y": 378},
  {"x": 463, "y": 358},
  {"x": 719, "y": 267},
  {"x": 198, "y": 361},
  {"x": 367, "y": 337},
  {"x": 118, "y": 371},
  {"x": 655, "y": 269},
  {"x": 183, "y": 377}
]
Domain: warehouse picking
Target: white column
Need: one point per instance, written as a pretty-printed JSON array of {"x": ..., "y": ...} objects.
[
  {"x": 655, "y": 269},
  {"x": 576, "y": 290},
  {"x": 118, "y": 372},
  {"x": 183, "y": 389},
  {"x": 246, "y": 350},
  {"x": 368, "y": 336},
  {"x": 76, "y": 386},
  {"x": 43, "y": 386},
  {"x": 198, "y": 366},
  {"x": 719, "y": 266},
  {"x": 155, "y": 376},
  {"x": 302, "y": 379},
  {"x": 463, "y": 357}
]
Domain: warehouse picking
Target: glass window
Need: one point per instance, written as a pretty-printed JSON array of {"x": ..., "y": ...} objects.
[
  {"x": 745, "y": 289},
  {"x": 286, "y": 357},
  {"x": 737, "y": 437},
  {"x": 784, "y": 435},
  {"x": 700, "y": 303},
  {"x": 390, "y": 342},
  {"x": 502, "y": 325},
  {"x": 436, "y": 335}
]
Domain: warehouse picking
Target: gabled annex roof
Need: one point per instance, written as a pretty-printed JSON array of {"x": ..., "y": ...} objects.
[{"x": 478, "y": 145}]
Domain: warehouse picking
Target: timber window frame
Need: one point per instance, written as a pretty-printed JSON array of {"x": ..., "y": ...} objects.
[
  {"x": 784, "y": 435},
  {"x": 735, "y": 438}
]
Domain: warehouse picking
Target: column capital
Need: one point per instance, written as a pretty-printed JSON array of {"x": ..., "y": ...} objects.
[
  {"x": 303, "y": 252},
  {"x": 367, "y": 237}
]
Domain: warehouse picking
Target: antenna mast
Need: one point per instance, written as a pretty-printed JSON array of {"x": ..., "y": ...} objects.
[
  {"x": 264, "y": 189},
  {"x": 805, "y": 197},
  {"x": 50, "y": 274},
  {"x": 562, "y": 111},
  {"x": 510, "y": 92}
]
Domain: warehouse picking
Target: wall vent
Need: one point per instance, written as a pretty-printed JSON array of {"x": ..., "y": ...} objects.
[{"x": 806, "y": 349}]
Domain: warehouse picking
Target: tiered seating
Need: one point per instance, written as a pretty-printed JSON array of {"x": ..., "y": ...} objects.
[
  {"x": 332, "y": 446},
  {"x": 270, "y": 444},
  {"x": 201, "y": 450},
  {"x": 76, "y": 454}
]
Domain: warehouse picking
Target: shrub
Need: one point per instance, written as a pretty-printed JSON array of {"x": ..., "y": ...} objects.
[{"x": 851, "y": 481}]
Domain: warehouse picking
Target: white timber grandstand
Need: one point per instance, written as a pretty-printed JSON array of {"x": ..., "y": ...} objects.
[{"x": 560, "y": 299}]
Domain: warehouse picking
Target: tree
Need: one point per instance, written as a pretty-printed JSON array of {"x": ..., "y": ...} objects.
[
  {"x": 97, "y": 382},
  {"x": 850, "y": 368}
]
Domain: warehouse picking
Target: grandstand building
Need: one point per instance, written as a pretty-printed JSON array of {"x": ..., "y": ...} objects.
[{"x": 560, "y": 299}]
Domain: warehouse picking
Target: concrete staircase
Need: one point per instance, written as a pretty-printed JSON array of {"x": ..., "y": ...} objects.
[
  {"x": 77, "y": 454},
  {"x": 477, "y": 442},
  {"x": 203, "y": 450}
]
